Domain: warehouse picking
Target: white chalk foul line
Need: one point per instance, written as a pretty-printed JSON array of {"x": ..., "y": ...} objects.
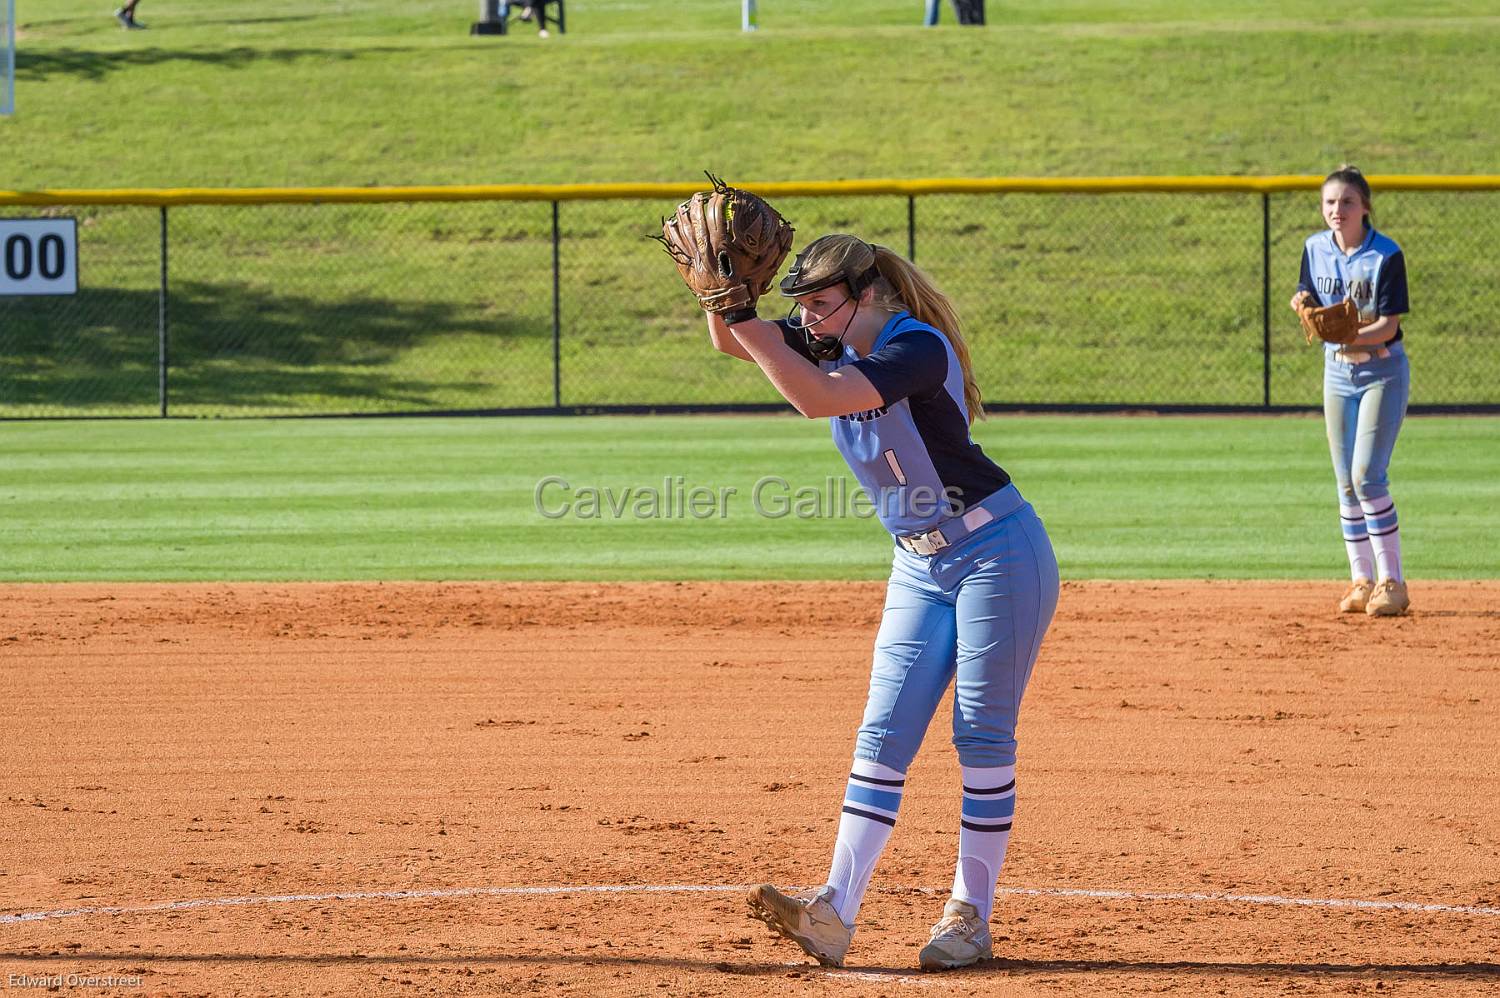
[
  {"x": 451, "y": 892},
  {"x": 1065, "y": 892},
  {"x": 465, "y": 892}
]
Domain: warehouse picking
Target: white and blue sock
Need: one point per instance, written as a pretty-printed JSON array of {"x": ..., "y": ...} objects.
[
  {"x": 1385, "y": 536},
  {"x": 1357, "y": 542},
  {"x": 871, "y": 800},
  {"x": 984, "y": 833}
]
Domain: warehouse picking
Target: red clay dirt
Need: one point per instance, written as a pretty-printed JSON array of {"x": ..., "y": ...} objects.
[{"x": 175, "y": 743}]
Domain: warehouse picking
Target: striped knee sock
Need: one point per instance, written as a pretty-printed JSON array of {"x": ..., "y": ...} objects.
[
  {"x": 871, "y": 800},
  {"x": 984, "y": 833},
  {"x": 1357, "y": 542},
  {"x": 1385, "y": 536}
]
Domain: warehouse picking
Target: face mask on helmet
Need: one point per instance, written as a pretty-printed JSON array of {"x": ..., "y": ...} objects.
[{"x": 798, "y": 282}]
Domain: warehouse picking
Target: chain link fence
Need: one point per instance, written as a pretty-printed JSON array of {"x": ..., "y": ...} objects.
[{"x": 1153, "y": 299}]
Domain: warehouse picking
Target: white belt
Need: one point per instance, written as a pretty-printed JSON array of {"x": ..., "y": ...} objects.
[
  {"x": 930, "y": 543},
  {"x": 1344, "y": 356}
]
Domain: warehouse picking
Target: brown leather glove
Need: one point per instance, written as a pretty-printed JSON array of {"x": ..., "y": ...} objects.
[
  {"x": 1330, "y": 323},
  {"x": 728, "y": 245}
]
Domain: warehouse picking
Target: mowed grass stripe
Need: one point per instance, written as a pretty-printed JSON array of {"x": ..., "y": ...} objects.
[{"x": 1123, "y": 497}]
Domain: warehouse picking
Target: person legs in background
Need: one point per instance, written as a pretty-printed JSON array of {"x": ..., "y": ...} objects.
[
  {"x": 969, "y": 11},
  {"x": 1341, "y": 418},
  {"x": 1381, "y": 412},
  {"x": 1363, "y": 413},
  {"x": 535, "y": 11},
  {"x": 126, "y": 16}
]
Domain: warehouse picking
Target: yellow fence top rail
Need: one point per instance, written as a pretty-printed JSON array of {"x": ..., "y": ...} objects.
[{"x": 678, "y": 191}]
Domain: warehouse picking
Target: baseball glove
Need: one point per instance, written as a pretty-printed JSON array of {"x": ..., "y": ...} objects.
[
  {"x": 728, "y": 245},
  {"x": 1331, "y": 323}
]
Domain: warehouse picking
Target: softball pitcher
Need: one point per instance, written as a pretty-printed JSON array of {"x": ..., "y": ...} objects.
[
  {"x": 874, "y": 346},
  {"x": 1365, "y": 384}
]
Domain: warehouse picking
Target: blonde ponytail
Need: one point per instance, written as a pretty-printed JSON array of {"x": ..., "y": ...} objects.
[
  {"x": 912, "y": 290},
  {"x": 901, "y": 287}
]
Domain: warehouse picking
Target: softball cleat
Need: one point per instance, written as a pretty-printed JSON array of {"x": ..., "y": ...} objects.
[
  {"x": 807, "y": 918},
  {"x": 1356, "y": 596},
  {"x": 959, "y": 938},
  {"x": 1388, "y": 599}
]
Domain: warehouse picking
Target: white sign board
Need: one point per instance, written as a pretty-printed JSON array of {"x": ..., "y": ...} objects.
[{"x": 38, "y": 256}]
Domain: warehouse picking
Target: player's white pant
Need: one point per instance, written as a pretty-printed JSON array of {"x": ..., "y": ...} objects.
[
  {"x": 976, "y": 613},
  {"x": 1363, "y": 408}
]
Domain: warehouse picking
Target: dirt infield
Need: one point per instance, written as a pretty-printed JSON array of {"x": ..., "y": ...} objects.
[{"x": 477, "y": 744}]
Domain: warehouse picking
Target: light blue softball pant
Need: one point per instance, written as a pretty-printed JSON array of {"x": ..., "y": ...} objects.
[
  {"x": 1363, "y": 407},
  {"x": 977, "y": 611}
]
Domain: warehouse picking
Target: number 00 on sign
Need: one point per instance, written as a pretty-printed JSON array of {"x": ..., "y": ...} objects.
[{"x": 38, "y": 256}]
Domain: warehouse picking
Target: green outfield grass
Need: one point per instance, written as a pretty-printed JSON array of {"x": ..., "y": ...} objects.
[
  {"x": 283, "y": 92},
  {"x": 1140, "y": 300},
  {"x": 1123, "y": 497}
]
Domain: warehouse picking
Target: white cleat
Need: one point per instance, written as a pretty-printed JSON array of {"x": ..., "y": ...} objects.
[
  {"x": 959, "y": 938},
  {"x": 807, "y": 919}
]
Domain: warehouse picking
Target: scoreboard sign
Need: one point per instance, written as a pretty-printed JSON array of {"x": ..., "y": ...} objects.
[{"x": 38, "y": 256}]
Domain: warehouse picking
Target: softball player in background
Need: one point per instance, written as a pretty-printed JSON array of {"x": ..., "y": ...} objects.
[
  {"x": 876, "y": 347},
  {"x": 1365, "y": 385}
]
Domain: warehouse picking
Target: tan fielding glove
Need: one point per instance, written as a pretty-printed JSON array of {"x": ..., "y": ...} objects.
[
  {"x": 1331, "y": 323},
  {"x": 728, "y": 245}
]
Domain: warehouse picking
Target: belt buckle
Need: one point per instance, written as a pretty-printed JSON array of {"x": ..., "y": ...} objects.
[{"x": 927, "y": 544}]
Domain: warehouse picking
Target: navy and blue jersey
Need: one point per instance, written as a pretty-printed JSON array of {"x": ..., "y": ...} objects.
[
  {"x": 1373, "y": 275},
  {"x": 913, "y": 455}
]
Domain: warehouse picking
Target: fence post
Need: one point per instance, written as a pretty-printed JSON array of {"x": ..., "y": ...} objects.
[
  {"x": 163, "y": 341},
  {"x": 911, "y": 227},
  {"x": 556, "y": 315},
  {"x": 1265, "y": 297}
]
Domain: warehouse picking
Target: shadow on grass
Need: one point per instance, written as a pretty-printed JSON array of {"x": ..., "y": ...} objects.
[
  {"x": 37, "y": 65},
  {"x": 238, "y": 347},
  {"x": 258, "y": 20}
]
